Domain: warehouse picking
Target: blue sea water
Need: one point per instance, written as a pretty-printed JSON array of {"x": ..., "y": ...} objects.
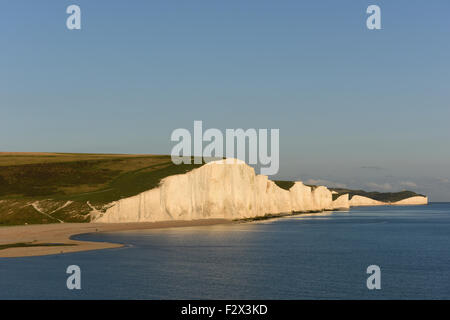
[{"x": 321, "y": 256}]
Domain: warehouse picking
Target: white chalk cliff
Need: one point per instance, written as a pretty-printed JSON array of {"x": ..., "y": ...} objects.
[
  {"x": 358, "y": 201},
  {"x": 418, "y": 200},
  {"x": 225, "y": 189}
]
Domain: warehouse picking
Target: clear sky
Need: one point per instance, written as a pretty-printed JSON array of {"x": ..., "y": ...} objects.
[{"x": 360, "y": 108}]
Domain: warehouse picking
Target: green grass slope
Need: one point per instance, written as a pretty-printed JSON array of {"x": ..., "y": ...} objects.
[{"x": 55, "y": 187}]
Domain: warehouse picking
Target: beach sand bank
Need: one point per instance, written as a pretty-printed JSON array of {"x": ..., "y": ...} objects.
[{"x": 48, "y": 234}]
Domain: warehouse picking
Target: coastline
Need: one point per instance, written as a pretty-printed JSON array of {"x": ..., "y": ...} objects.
[
  {"x": 42, "y": 236},
  {"x": 56, "y": 238},
  {"x": 50, "y": 239}
]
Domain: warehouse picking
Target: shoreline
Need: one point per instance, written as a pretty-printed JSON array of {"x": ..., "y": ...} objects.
[
  {"x": 49, "y": 239},
  {"x": 57, "y": 238}
]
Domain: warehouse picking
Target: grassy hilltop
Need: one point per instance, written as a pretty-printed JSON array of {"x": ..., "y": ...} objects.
[{"x": 69, "y": 186}]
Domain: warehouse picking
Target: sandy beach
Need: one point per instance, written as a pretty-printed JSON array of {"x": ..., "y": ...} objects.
[{"x": 61, "y": 233}]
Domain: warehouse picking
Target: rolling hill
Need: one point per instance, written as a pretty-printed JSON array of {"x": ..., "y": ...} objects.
[{"x": 55, "y": 187}]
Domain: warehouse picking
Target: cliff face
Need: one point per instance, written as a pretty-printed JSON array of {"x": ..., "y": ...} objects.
[
  {"x": 342, "y": 202},
  {"x": 221, "y": 189},
  {"x": 412, "y": 201},
  {"x": 358, "y": 201}
]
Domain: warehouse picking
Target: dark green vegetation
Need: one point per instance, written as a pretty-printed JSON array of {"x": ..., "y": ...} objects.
[
  {"x": 54, "y": 187},
  {"x": 337, "y": 195},
  {"x": 283, "y": 184},
  {"x": 380, "y": 196},
  {"x": 28, "y": 244},
  {"x": 286, "y": 184},
  {"x": 264, "y": 217},
  {"x": 274, "y": 216}
]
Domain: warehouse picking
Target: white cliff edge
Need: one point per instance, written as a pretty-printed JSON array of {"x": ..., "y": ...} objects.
[
  {"x": 360, "y": 201},
  {"x": 418, "y": 200},
  {"x": 226, "y": 189}
]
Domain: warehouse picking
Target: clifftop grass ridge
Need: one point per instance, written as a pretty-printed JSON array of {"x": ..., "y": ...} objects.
[{"x": 75, "y": 183}]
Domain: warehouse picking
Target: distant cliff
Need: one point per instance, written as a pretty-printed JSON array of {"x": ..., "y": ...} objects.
[{"x": 228, "y": 189}]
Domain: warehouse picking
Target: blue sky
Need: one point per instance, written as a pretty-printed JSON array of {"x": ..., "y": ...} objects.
[{"x": 360, "y": 108}]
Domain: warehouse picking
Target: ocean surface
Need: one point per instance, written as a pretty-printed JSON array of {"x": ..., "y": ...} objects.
[{"x": 320, "y": 256}]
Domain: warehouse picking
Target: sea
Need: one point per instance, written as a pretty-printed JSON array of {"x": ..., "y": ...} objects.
[{"x": 307, "y": 256}]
